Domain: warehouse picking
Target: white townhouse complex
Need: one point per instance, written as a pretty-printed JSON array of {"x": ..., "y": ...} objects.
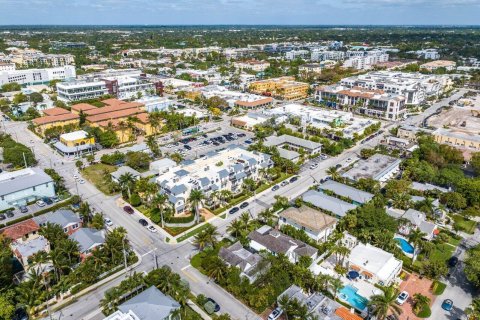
[
  {"x": 37, "y": 76},
  {"x": 222, "y": 170},
  {"x": 370, "y": 102},
  {"x": 33, "y": 57},
  {"x": 367, "y": 60},
  {"x": 25, "y": 185},
  {"x": 254, "y": 65},
  {"x": 236, "y": 98},
  {"x": 126, "y": 87},
  {"x": 81, "y": 90},
  {"x": 322, "y": 55},
  {"x": 415, "y": 87}
]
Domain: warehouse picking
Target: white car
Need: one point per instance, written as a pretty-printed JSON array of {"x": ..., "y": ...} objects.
[
  {"x": 402, "y": 297},
  {"x": 40, "y": 203},
  {"x": 314, "y": 166},
  {"x": 323, "y": 156},
  {"x": 276, "y": 313},
  {"x": 81, "y": 181},
  {"x": 152, "y": 229},
  {"x": 75, "y": 176},
  {"x": 108, "y": 222}
]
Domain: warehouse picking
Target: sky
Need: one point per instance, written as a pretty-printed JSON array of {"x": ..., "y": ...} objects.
[{"x": 208, "y": 12}]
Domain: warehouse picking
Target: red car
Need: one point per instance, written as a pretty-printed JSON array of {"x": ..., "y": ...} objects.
[{"x": 128, "y": 209}]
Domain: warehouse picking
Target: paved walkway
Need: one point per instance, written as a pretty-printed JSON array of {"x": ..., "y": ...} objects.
[{"x": 413, "y": 284}]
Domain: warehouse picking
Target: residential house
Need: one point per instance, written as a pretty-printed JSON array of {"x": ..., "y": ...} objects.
[
  {"x": 357, "y": 196},
  {"x": 316, "y": 224},
  {"x": 335, "y": 206},
  {"x": 67, "y": 219},
  {"x": 150, "y": 304},
  {"x": 21, "y": 232},
  {"x": 23, "y": 186},
  {"x": 88, "y": 239},
  {"x": 250, "y": 264},
  {"x": 293, "y": 144},
  {"x": 161, "y": 166},
  {"x": 124, "y": 170},
  {"x": 416, "y": 220},
  {"x": 275, "y": 242}
]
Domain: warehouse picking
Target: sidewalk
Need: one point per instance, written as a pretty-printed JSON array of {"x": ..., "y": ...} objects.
[{"x": 198, "y": 310}]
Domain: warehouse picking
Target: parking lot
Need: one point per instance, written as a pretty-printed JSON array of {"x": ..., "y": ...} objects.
[
  {"x": 31, "y": 210},
  {"x": 192, "y": 148}
]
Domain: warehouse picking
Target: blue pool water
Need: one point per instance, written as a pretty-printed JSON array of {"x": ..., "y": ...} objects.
[
  {"x": 350, "y": 295},
  {"x": 406, "y": 247}
]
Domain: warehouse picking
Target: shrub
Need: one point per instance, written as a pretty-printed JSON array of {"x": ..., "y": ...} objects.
[
  {"x": 438, "y": 287},
  {"x": 425, "y": 312},
  {"x": 135, "y": 200}
]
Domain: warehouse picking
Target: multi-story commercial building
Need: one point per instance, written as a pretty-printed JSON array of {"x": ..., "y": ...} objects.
[
  {"x": 365, "y": 60},
  {"x": 31, "y": 57},
  {"x": 236, "y": 98},
  {"x": 284, "y": 88},
  {"x": 23, "y": 186},
  {"x": 155, "y": 103},
  {"x": 296, "y": 54},
  {"x": 428, "y": 54},
  {"x": 37, "y": 76},
  {"x": 310, "y": 69},
  {"x": 75, "y": 143},
  {"x": 126, "y": 87},
  {"x": 254, "y": 65},
  {"x": 374, "y": 103},
  {"x": 415, "y": 87},
  {"x": 223, "y": 170},
  {"x": 81, "y": 90},
  {"x": 434, "y": 65},
  {"x": 462, "y": 139},
  {"x": 7, "y": 66}
]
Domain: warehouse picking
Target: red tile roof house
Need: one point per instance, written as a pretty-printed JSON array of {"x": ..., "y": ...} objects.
[{"x": 25, "y": 240}]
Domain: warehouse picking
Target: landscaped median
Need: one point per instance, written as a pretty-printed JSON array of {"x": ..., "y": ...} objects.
[{"x": 192, "y": 232}]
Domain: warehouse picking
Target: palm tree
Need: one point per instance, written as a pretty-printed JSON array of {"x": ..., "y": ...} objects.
[
  {"x": 201, "y": 240},
  {"x": 340, "y": 253},
  {"x": 384, "y": 303},
  {"x": 333, "y": 172},
  {"x": 126, "y": 182},
  {"x": 284, "y": 303},
  {"x": 225, "y": 194},
  {"x": 249, "y": 184},
  {"x": 211, "y": 234},
  {"x": 177, "y": 157},
  {"x": 415, "y": 237},
  {"x": 159, "y": 202},
  {"x": 217, "y": 269},
  {"x": 235, "y": 228},
  {"x": 420, "y": 300},
  {"x": 244, "y": 219},
  {"x": 195, "y": 198},
  {"x": 335, "y": 285}
]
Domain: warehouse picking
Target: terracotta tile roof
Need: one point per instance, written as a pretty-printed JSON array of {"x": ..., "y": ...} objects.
[
  {"x": 83, "y": 107},
  {"x": 117, "y": 102},
  {"x": 254, "y": 103},
  {"x": 345, "y": 314},
  {"x": 115, "y": 115},
  {"x": 143, "y": 118},
  {"x": 55, "y": 111},
  {"x": 20, "y": 229},
  {"x": 112, "y": 108},
  {"x": 53, "y": 119}
]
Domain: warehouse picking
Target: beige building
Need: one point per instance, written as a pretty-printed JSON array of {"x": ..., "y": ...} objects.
[
  {"x": 254, "y": 65},
  {"x": 461, "y": 139},
  {"x": 284, "y": 88},
  {"x": 434, "y": 65}
]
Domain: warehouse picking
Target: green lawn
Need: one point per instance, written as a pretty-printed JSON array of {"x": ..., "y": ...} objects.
[
  {"x": 463, "y": 224},
  {"x": 442, "y": 252},
  {"x": 192, "y": 233},
  {"x": 175, "y": 231},
  {"x": 438, "y": 287},
  {"x": 96, "y": 175}
]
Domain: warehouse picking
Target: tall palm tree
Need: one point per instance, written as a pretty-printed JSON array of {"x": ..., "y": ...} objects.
[
  {"x": 415, "y": 237},
  {"x": 211, "y": 234},
  {"x": 201, "y": 240},
  {"x": 244, "y": 219},
  {"x": 335, "y": 285},
  {"x": 284, "y": 303},
  {"x": 473, "y": 310},
  {"x": 333, "y": 172},
  {"x": 225, "y": 195},
  {"x": 217, "y": 269},
  {"x": 235, "y": 228},
  {"x": 195, "y": 198},
  {"x": 159, "y": 202},
  {"x": 384, "y": 303},
  {"x": 126, "y": 182}
]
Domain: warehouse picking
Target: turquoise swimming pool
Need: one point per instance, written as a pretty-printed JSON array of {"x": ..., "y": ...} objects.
[
  {"x": 406, "y": 247},
  {"x": 350, "y": 295}
]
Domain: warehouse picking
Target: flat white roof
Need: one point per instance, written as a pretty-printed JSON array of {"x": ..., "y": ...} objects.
[
  {"x": 375, "y": 260},
  {"x": 72, "y": 136}
]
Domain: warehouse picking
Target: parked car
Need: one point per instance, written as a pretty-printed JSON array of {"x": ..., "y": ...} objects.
[
  {"x": 323, "y": 156},
  {"x": 314, "y": 166},
  {"x": 55, "y": 199},
  {"x": 108, "y": 222},
  {"x": 143, "y": 222},
  {"x": 217, "y": 307},
  {"x": 284, "y": 183},
  {"x": 275, "y": 187},
  {"x": 9, "y": 214},
  {"x": 233, "y": 210},
  {"x": 276, "y": 313},
  {"x": 447, "y": 304},
  {"x": 152, "y": 229},
  {"x": 248, "y": 141},
  {"x": 23, "y": 209},
  {"x": 402, "y": 297},
  {"x": 452, "y": 262},
  {"x": 293, "y": 179},
  {"x": 244, "y": 205},
  {"x": 186, "y": 146},
  {"x": 128, "y": 209},
  {"x": 40, "y": 203},
  {"x": 81, "y": 181},
  {"x": 47, "y": 201},
  {"x": 2, "y": 216}
]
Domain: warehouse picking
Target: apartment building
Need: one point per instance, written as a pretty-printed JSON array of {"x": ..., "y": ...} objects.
[
  {"x": 374, "y": 103},
  {"x": 455, "y": 137},
  {"x": 378, "y": 167},
  {"x": 81, "y": 90},
  {"x": 363, "y": 60},
  {"x": 290, "y": 146},
  {"x": 254, "y": 65},
  {"x": 36, "y": 76},
  {"x": 126, "y": 87},
  {"x": 310, "y": 69},
  {"x": 437, "y": 64},
  {"x": 29, "y": 57},
  {"x": 297, "y": 54},
  {"x": 415, "y": 87},
  {"x": 222, "y": 170},
  {"x": 236, "y": 98},
  {"x": 155, "y": 103},
  {"x": 283, "y": 88},
  {"x": 321, "y": 55},
  {"x": 7, "y": 66},
  {"x": 428, "y": 54}
]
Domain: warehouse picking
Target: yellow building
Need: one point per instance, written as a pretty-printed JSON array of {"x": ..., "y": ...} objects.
[
  {"x": 461, "y": 139},
  {"x": 192, "y": 94},
  {"x": 75, "y": 143},
  {"x": 43, "y": 123},
  {"x": 283, "y": 88}
]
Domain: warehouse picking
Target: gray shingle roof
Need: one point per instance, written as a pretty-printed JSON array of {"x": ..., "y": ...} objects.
[
  {"x": 223, "y": 173},
  {"x": 181, "y": 172},
  {"x": 123, "y": 170},
  {"x": 346, "y": 191},
  {"x": 328, "y": 203},
  {"x": 285, "y": 138},
  {"x": 151, "y": 304},
  {"x": 178, "y": 189},
  {"x": 87, "y": 238},
  {"x": 61, "y": 217}
]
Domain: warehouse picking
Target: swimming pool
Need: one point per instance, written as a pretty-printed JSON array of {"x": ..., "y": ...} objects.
[
  {"x": 406, "y": 247},
  {"x": 350, "y": 295}
]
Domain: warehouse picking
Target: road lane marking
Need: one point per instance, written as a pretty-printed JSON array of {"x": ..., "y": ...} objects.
[{"x": 188, "y": 274}]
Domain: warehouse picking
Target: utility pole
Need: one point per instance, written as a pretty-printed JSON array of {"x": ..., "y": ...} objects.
[
  {"x": 124, "y": 254},
  {"x": 24, "y": 160}
]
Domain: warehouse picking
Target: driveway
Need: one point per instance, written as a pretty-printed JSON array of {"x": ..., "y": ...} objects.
[{"x": 413, "y": 284}]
